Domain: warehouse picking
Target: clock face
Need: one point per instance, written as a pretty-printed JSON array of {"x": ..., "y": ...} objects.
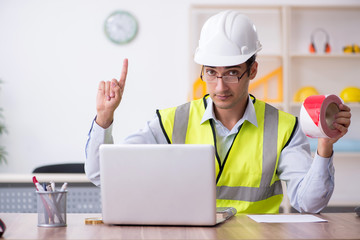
[{"x": 121, "y": 27}]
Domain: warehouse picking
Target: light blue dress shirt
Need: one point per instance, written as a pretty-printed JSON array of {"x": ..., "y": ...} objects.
[{"x": 309, "y": 181}]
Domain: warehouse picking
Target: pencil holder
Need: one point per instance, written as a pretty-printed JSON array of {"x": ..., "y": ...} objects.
[{"x": 51, "y": 208}]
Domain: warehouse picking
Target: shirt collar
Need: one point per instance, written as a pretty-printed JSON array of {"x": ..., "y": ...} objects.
[{"x": 249, "y": 113}]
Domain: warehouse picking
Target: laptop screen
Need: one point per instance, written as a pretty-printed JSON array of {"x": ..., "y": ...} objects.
[{"x": 158, "y": 184}]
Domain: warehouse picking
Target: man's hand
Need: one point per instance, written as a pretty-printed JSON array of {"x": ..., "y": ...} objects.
[
  {"x": 341, "y": 123},
  {"x": 109, "y": 97}
]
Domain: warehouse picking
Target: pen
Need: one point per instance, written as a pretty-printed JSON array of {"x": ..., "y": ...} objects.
[
  {"x": 37, "y": 185},
  {"x": 63, "y": 188},
  {"x": 52, "y": 183},
  {"x": 49, "y": 188},
  {"x": 39, "y": 188}
]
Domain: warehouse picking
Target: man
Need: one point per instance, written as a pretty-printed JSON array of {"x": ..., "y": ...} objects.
[{"x": 256, "y": 144}]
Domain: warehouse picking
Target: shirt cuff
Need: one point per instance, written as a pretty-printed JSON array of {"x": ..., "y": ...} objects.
[{"x": 104, "y": 135}]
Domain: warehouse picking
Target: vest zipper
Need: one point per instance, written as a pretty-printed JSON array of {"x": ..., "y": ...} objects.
[
  {"x": 221, "y": 166},
  {"x": 216, "y": 151}
]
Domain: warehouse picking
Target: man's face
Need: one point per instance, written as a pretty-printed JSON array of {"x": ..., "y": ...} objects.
[{"x": 227, "y": 93}]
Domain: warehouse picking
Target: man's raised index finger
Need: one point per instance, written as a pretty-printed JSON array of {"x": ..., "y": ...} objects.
[{"x": 124, "y": 71}]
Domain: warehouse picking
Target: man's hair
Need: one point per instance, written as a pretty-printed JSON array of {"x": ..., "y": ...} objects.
[{"x": 250, "y": 62}]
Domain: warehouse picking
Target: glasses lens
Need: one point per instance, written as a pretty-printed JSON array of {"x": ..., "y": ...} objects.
[
  {"x": 210, "y": 79},
  {"x": 230, "y": 79}
]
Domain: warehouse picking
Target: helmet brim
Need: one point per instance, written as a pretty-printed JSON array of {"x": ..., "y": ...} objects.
[{"x": 220, "y": 61}]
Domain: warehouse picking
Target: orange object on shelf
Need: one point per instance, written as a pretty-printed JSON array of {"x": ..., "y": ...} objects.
[
  {"x": 199, "y": 89},
  {"x": 264, "y": 82}
]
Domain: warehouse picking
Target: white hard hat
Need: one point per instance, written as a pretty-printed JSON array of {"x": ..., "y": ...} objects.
[{"x": 228, "y": 38}]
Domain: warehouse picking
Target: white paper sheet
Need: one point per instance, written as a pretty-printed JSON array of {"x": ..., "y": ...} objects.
[{"x": 280, "y": 218}]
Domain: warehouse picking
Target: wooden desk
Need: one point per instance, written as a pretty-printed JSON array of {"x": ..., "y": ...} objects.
[{"x": 339, "y": 226}]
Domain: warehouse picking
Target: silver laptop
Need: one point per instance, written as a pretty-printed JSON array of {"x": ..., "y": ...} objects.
[{"x": 170, "y": 184}]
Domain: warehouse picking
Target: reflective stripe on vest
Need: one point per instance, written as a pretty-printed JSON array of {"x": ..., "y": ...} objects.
[
  {"x": 247, "y": 193},
  {"x": 181, "y": 123},
  {"x": 266, "y": 190}
]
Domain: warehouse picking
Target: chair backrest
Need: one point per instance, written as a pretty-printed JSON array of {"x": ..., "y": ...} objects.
[{"x": 61, "y": 168}]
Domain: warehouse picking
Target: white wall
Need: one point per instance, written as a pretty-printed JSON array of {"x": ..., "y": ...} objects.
[{"x": 54, "y": 53}]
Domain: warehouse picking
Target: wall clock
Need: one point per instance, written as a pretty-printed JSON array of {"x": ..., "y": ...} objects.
[{"x": 121, "y": 27}]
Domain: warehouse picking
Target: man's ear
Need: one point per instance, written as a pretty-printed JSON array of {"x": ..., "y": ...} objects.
[{"x": 253, "y": 70}]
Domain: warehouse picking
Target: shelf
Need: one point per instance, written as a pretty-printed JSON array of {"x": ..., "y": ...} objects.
[
  {"x": 339, "y": 154},
  {"x": 285, "y": 33},
  {"x": 347, "y": 155},
  {"x": 344, "y": 147},
  {"x": 269, "y": 56},
  {"x": 351, "y": 105},
  {"x": 44, "y": 177},
  {"x": 331, "y": 55},
  {"x": 276, "y": 104}
]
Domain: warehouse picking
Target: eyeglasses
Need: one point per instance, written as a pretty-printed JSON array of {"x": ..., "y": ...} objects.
[{"x": 212, "y": 78}]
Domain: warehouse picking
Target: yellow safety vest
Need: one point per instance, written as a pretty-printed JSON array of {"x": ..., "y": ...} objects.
[{"x": 247, "y": 178}]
